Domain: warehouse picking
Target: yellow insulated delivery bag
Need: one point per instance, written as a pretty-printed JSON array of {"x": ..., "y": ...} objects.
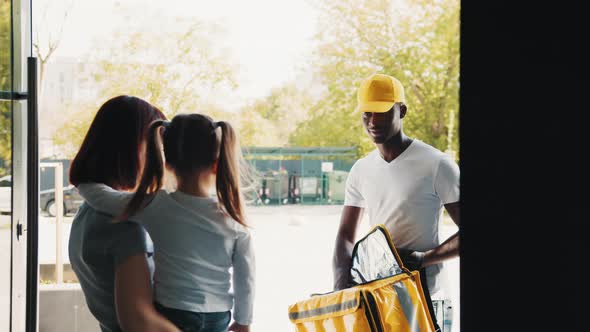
[{"x": 386, "y": 296}]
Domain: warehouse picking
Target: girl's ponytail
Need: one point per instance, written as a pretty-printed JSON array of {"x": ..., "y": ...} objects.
[
  {"x": 153, "y": 171},
  {"x": 228, "y": 174}
]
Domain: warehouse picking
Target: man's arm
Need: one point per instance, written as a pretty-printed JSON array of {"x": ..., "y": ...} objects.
[
  {"x": 450, "y": 248},
  {"x": 345, "y": 239},
  {"x": 134, "y": 300}
]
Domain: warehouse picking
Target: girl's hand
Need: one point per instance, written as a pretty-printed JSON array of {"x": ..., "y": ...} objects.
[{"x": 239, "y": 328}]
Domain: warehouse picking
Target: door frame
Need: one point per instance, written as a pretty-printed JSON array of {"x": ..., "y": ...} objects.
[{"x": 24, "y": 220}]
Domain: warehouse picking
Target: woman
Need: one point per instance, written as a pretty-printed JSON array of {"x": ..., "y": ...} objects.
[
  {"x": 205, "y": 262},
  {"x": 111, "y": 259}
]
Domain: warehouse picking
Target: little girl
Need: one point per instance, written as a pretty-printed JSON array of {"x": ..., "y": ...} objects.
[{"x": 197, "y": 238}]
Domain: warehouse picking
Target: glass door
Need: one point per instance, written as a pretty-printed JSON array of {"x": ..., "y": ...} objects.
[
  {"x": 5, "y": 165},
  {"x": 18, "y": 165}
]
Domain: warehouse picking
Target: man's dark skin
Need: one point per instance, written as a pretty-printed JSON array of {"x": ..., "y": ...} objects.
[{"x": 386, "y": 131}]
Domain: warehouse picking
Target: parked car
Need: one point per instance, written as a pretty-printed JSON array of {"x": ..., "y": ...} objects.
[
  {"x": 72, "y": 201},
  {"x": 5, "y": 194}
]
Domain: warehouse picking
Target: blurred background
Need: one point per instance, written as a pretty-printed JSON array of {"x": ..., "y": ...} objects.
[{"x": 283, "y": 72}]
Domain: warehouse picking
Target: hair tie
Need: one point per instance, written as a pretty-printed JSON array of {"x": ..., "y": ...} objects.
[{"x": 166, "y": 124}]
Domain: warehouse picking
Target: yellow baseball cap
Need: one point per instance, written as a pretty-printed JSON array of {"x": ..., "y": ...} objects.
[{"x": 378, "y": 92}]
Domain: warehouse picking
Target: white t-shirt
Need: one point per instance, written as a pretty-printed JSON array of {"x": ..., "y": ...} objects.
[
  {"x": 196, "y": 246},
  {"x": 407, "y": 196}
]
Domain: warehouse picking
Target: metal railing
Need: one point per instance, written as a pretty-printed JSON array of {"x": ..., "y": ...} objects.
[{"x": 59, "y": 216}]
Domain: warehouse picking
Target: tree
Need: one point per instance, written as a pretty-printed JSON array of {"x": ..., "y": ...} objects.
[
  {"x": 70, "y": 136},
  {"x": 170, "y": 69},
  {"x": 5, "y": 85},
  {"x": 416, "y": 41},
  {"x": 48, "y": 33},
  {"x": 171, "y": 73},
  {"x": 271, "y": 120}
]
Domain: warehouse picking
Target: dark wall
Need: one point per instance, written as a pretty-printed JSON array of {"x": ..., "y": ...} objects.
[{"x": 524, "y": 186}]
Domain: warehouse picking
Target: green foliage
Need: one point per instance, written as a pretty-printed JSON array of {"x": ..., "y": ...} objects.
[
  {"x": 415, "y": 41},
  {"x": 169, "y": 73},
  {"x": 80, "y": 116},
  {"x": 5, "y": 84},
  {"x": 70, "y": 136},
  {"x": 5, "y": 45},
  {"x": 167, "y": 69},
  {"x": 271, "y": 120}
]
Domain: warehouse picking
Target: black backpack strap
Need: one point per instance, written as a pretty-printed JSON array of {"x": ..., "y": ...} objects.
[{"x": 424, "y": 283}]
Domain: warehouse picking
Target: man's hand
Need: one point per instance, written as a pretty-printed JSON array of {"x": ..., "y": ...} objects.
[
  {"x": 239, "y": 328},
  {"x": 413, "y": 260}
]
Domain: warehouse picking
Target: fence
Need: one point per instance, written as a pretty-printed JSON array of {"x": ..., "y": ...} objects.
[
  {"x": 294, "y": 175},
  {"x": 299, "y": 175}
]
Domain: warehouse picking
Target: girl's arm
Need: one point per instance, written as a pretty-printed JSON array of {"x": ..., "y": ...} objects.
[
  {"x": 104, "y": 198},
  {"x": 243, "y": 278}
]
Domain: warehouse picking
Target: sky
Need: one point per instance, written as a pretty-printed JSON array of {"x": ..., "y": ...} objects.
[{"x": 268, "y": 39}]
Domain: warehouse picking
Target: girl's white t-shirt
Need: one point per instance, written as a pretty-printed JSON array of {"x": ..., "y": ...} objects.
[{"x": 200, "y": 253}]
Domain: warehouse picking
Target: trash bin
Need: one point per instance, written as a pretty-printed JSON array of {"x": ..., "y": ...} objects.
[
  {"x": 309, "y": 189},
  {"x": 336, "y": 186},
  {"x": 275, "y": 188}
]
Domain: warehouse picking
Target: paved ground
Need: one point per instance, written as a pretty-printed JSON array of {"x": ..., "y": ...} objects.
[{"x": 294, "y": 247}]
